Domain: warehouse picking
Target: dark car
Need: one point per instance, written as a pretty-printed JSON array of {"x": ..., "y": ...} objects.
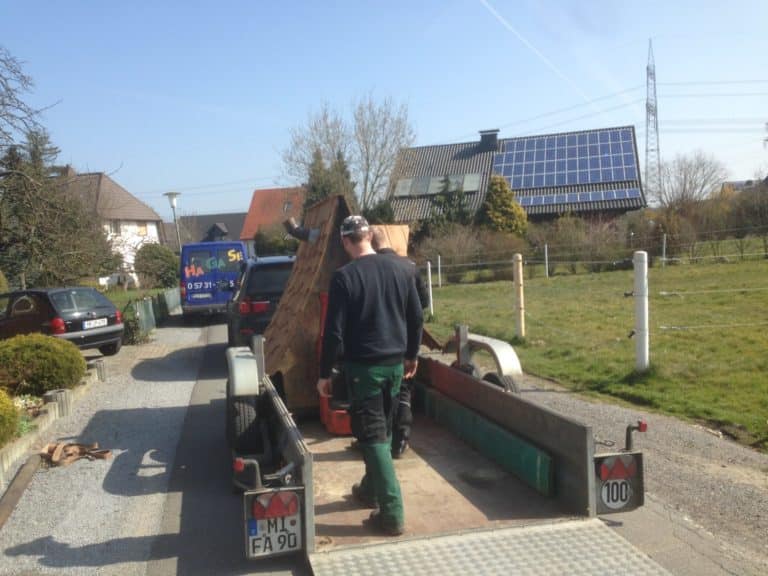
[
  {"x": 81, "y": 315},
  {"x": 258, "y": 291}
]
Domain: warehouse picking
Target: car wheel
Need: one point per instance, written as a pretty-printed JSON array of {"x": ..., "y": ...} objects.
[
  {"x": 111, "y": 349},
  {"x": 245, "y": 434}
]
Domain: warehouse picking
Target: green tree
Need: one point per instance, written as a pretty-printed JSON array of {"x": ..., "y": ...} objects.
[
  {"x": 47, "y": 235},
  {"x": 500, "y": 211},
  {"x": 381, "y": 213},
  {"x": 324, "y": 181},
  {"x": 157, "y": 266},
  {"x": 449, "y": 206},
  {"x": 274, "y": 242},
  {"x": 318, "y": 182}
]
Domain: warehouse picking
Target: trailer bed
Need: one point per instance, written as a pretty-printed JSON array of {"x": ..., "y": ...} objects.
[
  {"x": 447, "y": 487},
  {"x": 464, "y": 515}
]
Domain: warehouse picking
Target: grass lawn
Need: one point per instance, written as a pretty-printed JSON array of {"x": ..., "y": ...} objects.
[{"x": 708, "y": 338}]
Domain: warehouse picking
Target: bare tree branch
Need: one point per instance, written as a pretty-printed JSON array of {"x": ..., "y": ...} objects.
[
  {"x": 325, "y": 131},
  {"x": 370, "y": 145},
  {"x": 16, "y": 117},
  {"x": 689, "y": 179},
  {"x": 380, "y": 131}
]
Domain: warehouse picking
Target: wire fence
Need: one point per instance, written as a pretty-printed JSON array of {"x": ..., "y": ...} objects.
[
  {"x": 554, "y": 259},
  {"x": 707, "y": 326}
]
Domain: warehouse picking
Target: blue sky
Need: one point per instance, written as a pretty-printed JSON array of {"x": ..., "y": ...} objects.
[{"x": 199, "y": 97}]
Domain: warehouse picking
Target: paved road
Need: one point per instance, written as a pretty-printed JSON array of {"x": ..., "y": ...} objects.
[{"x": 164, "y": 505}]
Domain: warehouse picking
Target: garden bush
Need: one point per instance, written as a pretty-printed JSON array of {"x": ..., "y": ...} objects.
[
  {"x": 157, "y": 266},
  {"x": 3, "y": 283},
  {"x": 36, "y": 363},
  {"x": 9, "y": 418}
]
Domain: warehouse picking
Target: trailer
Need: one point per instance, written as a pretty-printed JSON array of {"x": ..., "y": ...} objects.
[{"x": 493, "y": 483}]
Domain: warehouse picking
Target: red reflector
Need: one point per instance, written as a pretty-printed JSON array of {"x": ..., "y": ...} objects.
[
  {"x": 642, "y": 426},
  {"x": 259, "y": 307},
  {"x": 118, "y": 317},
  {"x": 275, "y": 505},
  {"x": 619, "y": 469},
  {"x": 58, "y": 326},
  {"x": 238, "y": 465}
]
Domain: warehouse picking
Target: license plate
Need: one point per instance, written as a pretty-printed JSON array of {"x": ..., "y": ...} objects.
[
  {"x": 94, "y": 323},
  {"x": 201, "y": 296},
  {"x": 273, "y": 523}
]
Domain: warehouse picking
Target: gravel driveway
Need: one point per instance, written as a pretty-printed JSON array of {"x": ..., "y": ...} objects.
[
  {"x": 696, "y": 479},
  {"x": 100, "y": 517}
]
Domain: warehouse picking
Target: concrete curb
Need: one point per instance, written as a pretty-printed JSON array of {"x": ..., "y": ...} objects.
[{"x": 58, "y": 403}]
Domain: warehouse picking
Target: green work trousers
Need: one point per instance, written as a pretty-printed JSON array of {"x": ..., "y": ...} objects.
[{"x": 374, "y": 400}]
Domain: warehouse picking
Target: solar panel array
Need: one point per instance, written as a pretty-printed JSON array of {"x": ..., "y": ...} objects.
[{"x": 576, "y": 159}]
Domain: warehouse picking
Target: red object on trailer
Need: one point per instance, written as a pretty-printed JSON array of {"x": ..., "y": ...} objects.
[{"x": 335, "y": 420}]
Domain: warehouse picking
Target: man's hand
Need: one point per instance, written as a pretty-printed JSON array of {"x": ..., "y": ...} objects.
[
  {"x": 409, "y": 368},
  {"x": 324, "y": 387}
]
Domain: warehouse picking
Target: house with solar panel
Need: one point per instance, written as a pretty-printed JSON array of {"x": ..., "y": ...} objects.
[{"x": 586, "y": 173}]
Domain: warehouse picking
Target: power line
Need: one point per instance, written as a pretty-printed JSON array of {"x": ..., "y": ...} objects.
[
  {"x": 716, "y": 95},
  {"x": 711, "y": 82},
  {"x": 185, "y": 189}
]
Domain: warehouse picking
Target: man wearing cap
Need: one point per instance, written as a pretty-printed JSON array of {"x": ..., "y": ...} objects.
[{"x": 374, "y": 311}]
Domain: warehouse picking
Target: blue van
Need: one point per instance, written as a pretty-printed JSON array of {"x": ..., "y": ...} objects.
[{"x": 209, "y": 271}]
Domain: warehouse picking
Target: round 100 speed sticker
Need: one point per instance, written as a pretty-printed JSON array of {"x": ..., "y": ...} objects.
[{"x": 616, "y": 493}]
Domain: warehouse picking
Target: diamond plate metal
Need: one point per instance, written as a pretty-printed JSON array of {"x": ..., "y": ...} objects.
[{"x": 574, "y": 548}]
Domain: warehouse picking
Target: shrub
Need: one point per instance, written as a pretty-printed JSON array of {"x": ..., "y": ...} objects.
[
  {"x": 36, "y": 363},
  {"x": 132, "y": 333},
  {"x": 9, "y": 418},
  {"x": 3, "y": 283},
  {"x": 157, "y": 266}
]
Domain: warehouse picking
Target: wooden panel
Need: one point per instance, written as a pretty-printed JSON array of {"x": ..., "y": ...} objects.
[
  {"x": 397, "y": 235},
  {"x": 292, "y": 335}
]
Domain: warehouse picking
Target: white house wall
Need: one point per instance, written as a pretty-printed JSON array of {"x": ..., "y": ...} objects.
[{"x": 133, "y": 235}]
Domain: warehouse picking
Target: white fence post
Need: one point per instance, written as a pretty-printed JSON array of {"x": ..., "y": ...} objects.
[
  {"x": 546, "y": 261},
  {"x": 429, "y": 285},
  {"x": 439, "y": 272},
  {"x": 663, "y": 250},
  {"x": 519, "y": 304},
  {"x": 640, "y": 262}
]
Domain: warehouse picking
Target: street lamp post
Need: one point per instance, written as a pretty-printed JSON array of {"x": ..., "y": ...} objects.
[{"x": 172, "y": 200}]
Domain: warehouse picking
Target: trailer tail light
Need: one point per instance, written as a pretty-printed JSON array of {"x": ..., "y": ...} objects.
[
  {"x": 248, "y": 307},
  {"x": 58, "y": 326}
]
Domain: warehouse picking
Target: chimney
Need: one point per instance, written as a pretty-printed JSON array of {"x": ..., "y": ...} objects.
[{"x": 489, "y": 139}]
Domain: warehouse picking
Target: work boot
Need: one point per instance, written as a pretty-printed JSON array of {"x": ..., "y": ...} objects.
[
  {"x": 360, "y": 495},
  {"x": 399, "y": 448},
  {"x": 381, "y": 524}
]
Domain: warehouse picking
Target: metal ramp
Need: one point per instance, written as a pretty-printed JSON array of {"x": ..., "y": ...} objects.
[{"x": 578, "y": 547}]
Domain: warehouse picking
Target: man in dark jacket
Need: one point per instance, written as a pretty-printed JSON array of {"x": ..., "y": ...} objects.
[
  {"x": 374, "y": 311},
  {"x": 401, "y": 432}
]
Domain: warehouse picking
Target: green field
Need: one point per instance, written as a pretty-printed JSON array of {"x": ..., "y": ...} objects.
[{"x": 708, "y": 338}]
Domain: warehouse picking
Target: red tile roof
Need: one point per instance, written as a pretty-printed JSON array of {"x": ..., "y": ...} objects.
[{"x": 270, "y": 207}]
